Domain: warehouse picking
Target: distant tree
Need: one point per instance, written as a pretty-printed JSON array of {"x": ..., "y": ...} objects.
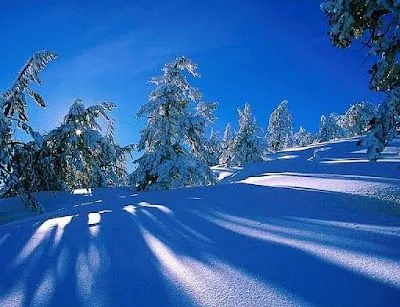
[
  {"x": 340, "y": 125},
  {"x": 227, "y": 148},
  {"x": 303, "y": 137},
  {"x": 280, "y": 134},
  {"x": 247, "y": 145},
  {"x": 212, "y": 149},
  {"x": 378, "y": 23},
  {"x": 13, "y": 110},
  {"x": 324, "y": 133},
  {"x": 173, "y": 140},
  {"x": 331, "y": 127},
  {"x": 358, "y": 118}
]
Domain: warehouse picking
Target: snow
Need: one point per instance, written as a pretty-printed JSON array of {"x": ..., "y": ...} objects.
[
  {"x": 286, "y": 232},
  {"x": 225, "y": 171}
]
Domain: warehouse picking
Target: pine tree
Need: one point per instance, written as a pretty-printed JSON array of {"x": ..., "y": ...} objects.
[
  {"x": 358, "y": 118},
  {"x": 280, "y": 134},
  {"x": 324, "y": 133},
  {"x": 227, "y": 147},
  {"x": 13, "y": 109},
  {"x": 32, "y": 164},
  {"x": 339, "y": 126},
  {"x": 173, "y": 140},
  {"x": 383, "y": 126},
  {"x": 303, "y": 137},
  {"x": 212, "y": 149},
  {"x": 378, "y": 22},
  {"x": 74, "y": 155},
  {"x": 247, "y": 145},
  {"x": 331, "y": 127},
  {"x": 81, "y": 156}
]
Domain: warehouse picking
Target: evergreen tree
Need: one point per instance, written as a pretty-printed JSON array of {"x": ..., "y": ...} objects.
[
  {"x": 358, "y": 118},
  {"x": 80, "y": 155},
  {"x": 303, "y": 137},
  {"x": 324, "y": 133},
  {"x": 74, "y": 155},
  {"x": 378, "y": 22},
  {"x": 339, "y": 126},
  {"x": 383, "y": 126},
  {"x": 280, "y": 134},
  {"x": 33, "y": 166},
  {"x": 13, "y": 109},
  {"x": 173, "y": 140},
  {"x": 213, "y": 149},
  {"x": 247, "y": 145},
  {"x": 331, "y": 127},
  {"x": 227, "y": 147}
]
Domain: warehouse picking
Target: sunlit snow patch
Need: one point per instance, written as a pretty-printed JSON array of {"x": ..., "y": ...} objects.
[
  {"x": 94, "y": 219},
  {"x": 82, "y": 191},
  {"x": 288, "y": 157},
  {"x": 130, "y": 209},
  {"x": 40, "y": 235},
  {"x": 324, "y": 182},
  {"x": 223, "y": 172},
  {"x": 159, "y": 207}
]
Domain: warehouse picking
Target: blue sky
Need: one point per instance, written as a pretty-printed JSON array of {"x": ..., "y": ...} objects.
[{"x": 259, "y": 52}]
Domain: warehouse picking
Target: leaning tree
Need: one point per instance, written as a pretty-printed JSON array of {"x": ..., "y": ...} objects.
[{"x": 13, "y": 112}]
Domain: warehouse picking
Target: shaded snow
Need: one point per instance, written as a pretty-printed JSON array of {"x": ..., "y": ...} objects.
[{"x": 287, "y": 232}]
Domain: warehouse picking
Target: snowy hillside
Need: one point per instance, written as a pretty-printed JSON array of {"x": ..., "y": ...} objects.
[{"x": 287, "y": 232}]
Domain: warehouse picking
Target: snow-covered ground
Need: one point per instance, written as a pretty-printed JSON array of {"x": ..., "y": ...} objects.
[{"x": 284, "y": 232}]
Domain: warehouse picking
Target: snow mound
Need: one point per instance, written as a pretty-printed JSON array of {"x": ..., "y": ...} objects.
[{"x": 286, "y": 232}]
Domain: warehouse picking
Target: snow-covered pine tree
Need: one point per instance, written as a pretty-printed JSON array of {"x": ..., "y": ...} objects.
[
  {"x": 303, "y": 137},
  {"x": 324, "y": 133},
  {"x": 227, "y": 147},
  {"x": 383, "y": 126},
  {"x": 173, "y": 140},
  {"x": 331, "y": 127},
  {"x": 339, "y": 124},
  {"x": 358, "y": 118},
  {"x": 13, "y": 109},
  {"x": 378, "y": 22},
  {"x": 280, "y": 133},
  {"x": 40, "y": 164},
  {"x": 81, "y": 156},
  {"x": 33, "y": 166},
  {"x": 247, "y": 145},
  {"x": 213, "y": 149}
]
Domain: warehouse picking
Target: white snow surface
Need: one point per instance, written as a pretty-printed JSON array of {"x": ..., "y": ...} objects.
[{"x": 287, "y": 232}]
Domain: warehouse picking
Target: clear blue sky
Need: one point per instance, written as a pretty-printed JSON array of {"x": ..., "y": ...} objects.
[{"x": 259, "y": 52}]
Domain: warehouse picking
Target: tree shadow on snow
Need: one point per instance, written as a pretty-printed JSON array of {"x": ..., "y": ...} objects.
[{"x": 214, "y": 245}]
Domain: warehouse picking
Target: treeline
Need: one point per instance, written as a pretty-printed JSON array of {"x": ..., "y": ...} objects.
[
  {"x": 228, "y": 149},
  {"x": 175, "y": 150}
]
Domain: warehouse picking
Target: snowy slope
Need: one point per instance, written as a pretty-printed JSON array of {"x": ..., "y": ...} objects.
[{"x": 286, "y": 232}]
